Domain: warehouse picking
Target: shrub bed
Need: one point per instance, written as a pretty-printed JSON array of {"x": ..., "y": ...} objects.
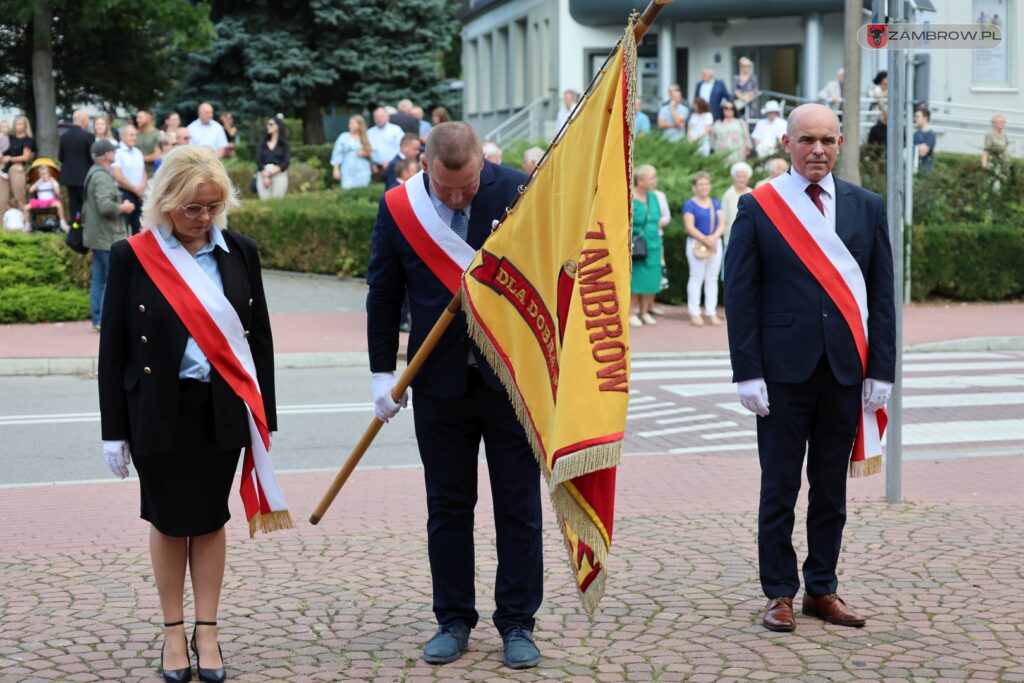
[
  {"x": 323, "y": 232},
  {"x": 41, "y": 280},
  {"x": 967, "y": 261}
]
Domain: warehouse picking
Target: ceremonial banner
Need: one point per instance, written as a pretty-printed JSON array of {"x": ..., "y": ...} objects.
[{"x": 547, "y": 300}]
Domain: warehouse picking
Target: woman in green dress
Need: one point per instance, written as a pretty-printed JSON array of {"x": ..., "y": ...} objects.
[
  {"x": 995, "y": 146},
  {"x": 646, "y": 279}
]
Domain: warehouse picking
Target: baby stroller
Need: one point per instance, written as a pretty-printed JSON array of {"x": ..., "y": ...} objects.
[{"x": 44, "y": 212}]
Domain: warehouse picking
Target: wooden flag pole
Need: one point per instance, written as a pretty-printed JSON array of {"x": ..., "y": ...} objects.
[
  {"x": 396, "y": 395},
  {"x": 643, "y": 24},
  {"x": 648, "y": 17}
]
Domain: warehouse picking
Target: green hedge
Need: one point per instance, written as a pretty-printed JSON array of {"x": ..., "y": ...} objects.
[
  {"x": 967, "y": 261},
  {"x": 324, "y": 232},
  {"x": 41, "y": 280}
]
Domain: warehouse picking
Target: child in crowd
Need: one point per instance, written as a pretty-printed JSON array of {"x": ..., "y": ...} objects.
[
  {"x": 47, "y": 194},
  {"x": 405, "y": 169}
]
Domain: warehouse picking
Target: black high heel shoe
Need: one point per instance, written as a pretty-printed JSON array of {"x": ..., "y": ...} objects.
[
  {"x": 175, "y": 675},
  {"x": 208, "y": 675}
]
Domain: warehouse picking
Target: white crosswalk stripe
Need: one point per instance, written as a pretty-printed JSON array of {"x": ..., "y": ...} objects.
[{"x": 953, "y": 402}]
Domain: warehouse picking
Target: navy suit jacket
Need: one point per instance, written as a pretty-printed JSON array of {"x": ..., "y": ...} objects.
[
  {"x": 395, "y": 267},
  {"x": 718, "y": 93},
  {"x": 781, "y": 321}
]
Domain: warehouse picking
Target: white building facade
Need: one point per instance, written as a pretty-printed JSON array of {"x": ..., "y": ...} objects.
[{"x": 519, "y": 56}]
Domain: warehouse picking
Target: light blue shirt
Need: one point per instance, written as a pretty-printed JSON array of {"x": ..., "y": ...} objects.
[
  {"x": 446, "y": 213},
  {"x": 643, "y": 123},
  {"x": 384, "y": 141},
  {"x": 194, "y": 363},
  {"x": 425, "y": 128},
  {"x": 674, "y": 134}
]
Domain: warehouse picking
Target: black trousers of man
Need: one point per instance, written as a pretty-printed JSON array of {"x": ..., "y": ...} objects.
[
  {"x": 133, "y": 220},
  {"x": 818, "y": 416},
  {"x": 448, "y": 431},
  {"x": 76, "y": 197}
]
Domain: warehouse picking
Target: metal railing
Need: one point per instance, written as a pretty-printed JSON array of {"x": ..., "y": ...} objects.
[{"x": 525, "y": 124}]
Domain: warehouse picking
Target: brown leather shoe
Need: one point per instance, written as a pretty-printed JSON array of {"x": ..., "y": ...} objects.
[
  {"x": 832, "y": 609},
  {"x": 778, "y": 616}
]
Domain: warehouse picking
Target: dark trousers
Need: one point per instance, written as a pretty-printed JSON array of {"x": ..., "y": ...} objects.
[
  {"x": 448, "y": 431},
  {"x": 133, "y": 220},
  {"x": 818, "y": 416},
  {"x": 75, "y": 199}
]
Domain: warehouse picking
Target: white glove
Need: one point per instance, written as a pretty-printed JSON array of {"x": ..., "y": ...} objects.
[
  {"x": 876, "y": 394},
  {"x": 384, "y": 406},
  {"x": 494, "y": 225},
  {"x": 118, "y": 455},
  {"x": 753, "y": 395}
]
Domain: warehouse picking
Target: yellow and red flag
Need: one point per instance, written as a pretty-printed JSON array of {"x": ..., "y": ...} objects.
[{"x": 547, "y": 300}]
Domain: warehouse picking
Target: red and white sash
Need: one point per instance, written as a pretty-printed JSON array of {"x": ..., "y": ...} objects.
[
  {"x": 445, "y": 253},
  {"x": 213, "y": 322},
  {"x": 817, "y": 245}
]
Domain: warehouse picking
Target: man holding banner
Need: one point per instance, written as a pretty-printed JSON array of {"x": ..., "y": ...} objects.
[
  {"x": 812, "y": 338},
  {"x": 427, "y": 233}
]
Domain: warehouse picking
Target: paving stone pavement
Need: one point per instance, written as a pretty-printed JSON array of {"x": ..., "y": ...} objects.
[{"x": 939, "y": 577}]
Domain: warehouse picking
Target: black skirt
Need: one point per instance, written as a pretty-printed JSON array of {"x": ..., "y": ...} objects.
[{"x": 186, "y": 494}]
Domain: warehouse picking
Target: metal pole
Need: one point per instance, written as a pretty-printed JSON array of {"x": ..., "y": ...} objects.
[
  {"x": 896, "y": 168},
  {"x": 911, "y": 151}
]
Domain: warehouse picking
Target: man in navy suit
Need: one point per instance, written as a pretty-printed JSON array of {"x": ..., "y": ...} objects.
[
  {"x": 459, "y": 400},
  {"x": 712, "y": 90},
  {"x": 793, "y": 350}
]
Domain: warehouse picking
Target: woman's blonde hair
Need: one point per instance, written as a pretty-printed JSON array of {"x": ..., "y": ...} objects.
[
  {"x": 641, "y": 171},
  {"x": 175, "y": 183},
  {"x": 23, "y": 119},
  {"x": 699, "y": 176},
  {"x": 364, "y": 140},
  {"x": 746, "y": 62}
]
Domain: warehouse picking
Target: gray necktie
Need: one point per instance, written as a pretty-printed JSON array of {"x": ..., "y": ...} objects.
[{"x": 460, "y": 225}]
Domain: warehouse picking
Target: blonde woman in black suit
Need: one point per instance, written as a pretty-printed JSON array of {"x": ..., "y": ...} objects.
[{"x": 164, "y": 404}]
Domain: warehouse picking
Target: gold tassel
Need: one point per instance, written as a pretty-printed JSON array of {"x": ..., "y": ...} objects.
[
  {"x": 600, "y": 457},
  {"x": 866, "y": 467},
  {"x": 272, "y": 521}
]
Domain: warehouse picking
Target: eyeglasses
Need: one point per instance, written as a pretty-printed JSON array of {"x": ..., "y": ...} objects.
[{"x": 194, "y": 211}]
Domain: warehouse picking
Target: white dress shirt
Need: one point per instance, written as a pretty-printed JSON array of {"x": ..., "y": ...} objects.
[
  {"x": 210, "y": 135},
  {"x": 131, "y": 163},
  {"x": 384, "y": 142}
]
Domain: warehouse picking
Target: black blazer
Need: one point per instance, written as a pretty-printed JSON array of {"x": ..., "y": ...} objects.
[
  {"x": 394, "y": 265},
  {"x": 75, "y": 156},
  {"x": 142, "y": 342},
  {"x": 780, "y": 320}
]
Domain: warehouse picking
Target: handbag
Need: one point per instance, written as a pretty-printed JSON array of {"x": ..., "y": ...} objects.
[
  {"x": 639, "y": 247},
  {"x": 639, "y": 243},
  {"x": 700, "y": 250}
]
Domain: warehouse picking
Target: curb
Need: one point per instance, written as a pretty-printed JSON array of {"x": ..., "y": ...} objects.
[{"x": 17, "y": 367}]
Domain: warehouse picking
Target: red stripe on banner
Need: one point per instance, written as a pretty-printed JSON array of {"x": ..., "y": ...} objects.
[
  {"x": 247, "y": 486},
  {"x": 599, "y": 490},
  {"x": 796, "y": 235},
  {"x": 440, "y": 263}
]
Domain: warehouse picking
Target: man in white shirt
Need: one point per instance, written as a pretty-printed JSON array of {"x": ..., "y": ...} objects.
[
  {"x": 129, "y": 169},
  {"x": 385, "y": 140},
  {"x": 569, "y": 100},
  {"x": 207, "y": 132},
  {"x": 768, "y": 132}
]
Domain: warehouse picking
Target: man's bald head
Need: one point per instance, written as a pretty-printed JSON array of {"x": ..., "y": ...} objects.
[
  {"x": 812, "y": 140},
  {"x": 454, "y": 144},
  {"x": 80, "y": 118}
]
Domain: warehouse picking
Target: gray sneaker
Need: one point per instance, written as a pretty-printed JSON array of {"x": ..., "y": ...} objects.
[
  {"x": 520, "y": 650},
  {"x": 448, "y": 644}
]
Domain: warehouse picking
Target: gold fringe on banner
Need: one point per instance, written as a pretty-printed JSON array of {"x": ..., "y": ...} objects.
[
  {"x": 866, "y": 467},
  {"x": 272, "y": 521}
]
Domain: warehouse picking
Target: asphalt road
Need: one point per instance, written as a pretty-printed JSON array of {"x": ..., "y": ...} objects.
[{"x": 50, "y": 429}]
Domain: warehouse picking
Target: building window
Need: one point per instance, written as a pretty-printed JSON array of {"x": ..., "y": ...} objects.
[
  {"x": 992, "y": 67},
  {"x": 536, "y": 61},
  {"x": 501, "y": 68},
  {"x": 472, "y": 77},
  {"x": 486, "y": 73},
  {"x": 519, "y": 63}
]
